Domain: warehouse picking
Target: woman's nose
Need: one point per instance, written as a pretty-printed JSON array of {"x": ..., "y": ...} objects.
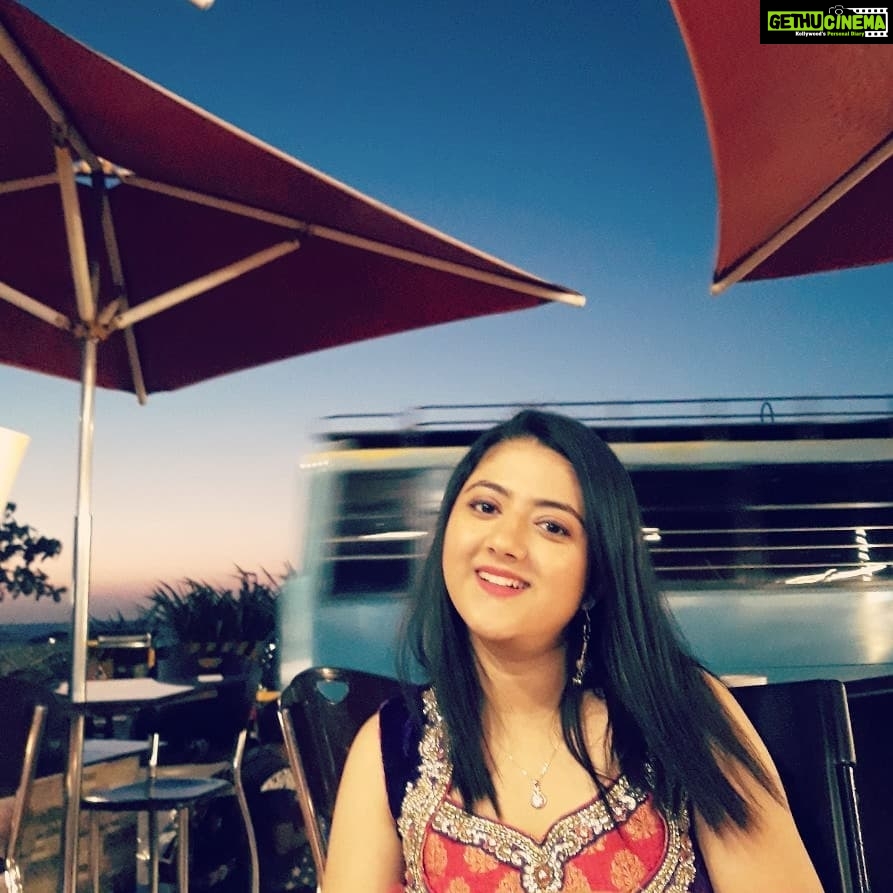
[{"x": 507, "y": 538}]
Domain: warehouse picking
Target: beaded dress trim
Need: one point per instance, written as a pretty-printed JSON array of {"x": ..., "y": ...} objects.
[{"x": 541, "y": 865}]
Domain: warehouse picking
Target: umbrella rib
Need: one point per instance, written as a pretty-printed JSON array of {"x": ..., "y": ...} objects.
[
  {"x": 35, "y": 85},
  {"x": 542, "y": 291},
  {"x": 852, "y": 178},
  {"x": 114, "y": 255},
  {"x": 74, "y": 232},
  {"x": 25, "y": 183},
  {"x": 182, "y": 293},
  {"x": 210, "y": 201},
  {"x": 34, "y": 307}
]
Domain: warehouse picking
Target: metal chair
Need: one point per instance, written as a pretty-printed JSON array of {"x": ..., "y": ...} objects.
[
  {"x": 806, "y": 727},
  {"x": 185, "y": 737},
  {"x": 871, "y": 712},
  {"x": 24, "y": 712},
  {"x": 321, "y": 711}
]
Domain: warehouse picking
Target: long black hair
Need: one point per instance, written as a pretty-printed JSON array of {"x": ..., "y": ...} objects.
[{"x": 668, "y": 731}]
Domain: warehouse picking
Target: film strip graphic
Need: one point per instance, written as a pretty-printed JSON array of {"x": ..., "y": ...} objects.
[{"x": 872, "y": 10}]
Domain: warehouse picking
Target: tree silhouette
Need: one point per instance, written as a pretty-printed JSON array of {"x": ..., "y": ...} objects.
[{"x": 22, "y": 552}]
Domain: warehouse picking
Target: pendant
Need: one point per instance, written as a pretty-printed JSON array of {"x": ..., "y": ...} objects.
[{"x": 537, "y": 798}]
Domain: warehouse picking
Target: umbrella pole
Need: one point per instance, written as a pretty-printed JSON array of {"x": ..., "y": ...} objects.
[{"x": 83, "y": 528}]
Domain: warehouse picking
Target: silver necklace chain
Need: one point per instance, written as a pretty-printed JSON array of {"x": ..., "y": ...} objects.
[{"x": 537, "y": 798}]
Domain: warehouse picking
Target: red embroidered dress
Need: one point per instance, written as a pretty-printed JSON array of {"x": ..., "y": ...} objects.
[{"x": 624, "y": 845}]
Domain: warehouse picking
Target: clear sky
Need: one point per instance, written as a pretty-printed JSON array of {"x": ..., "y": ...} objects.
[{"x": 552, "y": 135}]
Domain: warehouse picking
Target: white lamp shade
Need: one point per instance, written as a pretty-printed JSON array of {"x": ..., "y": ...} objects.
[{"x": 12, "y": 450}]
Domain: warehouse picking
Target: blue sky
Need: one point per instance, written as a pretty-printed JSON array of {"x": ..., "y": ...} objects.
[{"x": 552, "y": 135}]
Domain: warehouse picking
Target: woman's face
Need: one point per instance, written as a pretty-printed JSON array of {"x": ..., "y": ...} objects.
[{"x": 514, "y": 552}]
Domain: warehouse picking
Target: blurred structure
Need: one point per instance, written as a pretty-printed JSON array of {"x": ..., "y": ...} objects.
[{"x": 12, "y": 450}]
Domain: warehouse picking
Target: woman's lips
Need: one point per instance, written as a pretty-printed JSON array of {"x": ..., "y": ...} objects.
[{"x": 500, "y": 583}]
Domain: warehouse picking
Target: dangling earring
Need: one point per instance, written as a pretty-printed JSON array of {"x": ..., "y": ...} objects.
[{"x": 577, "y": 678}]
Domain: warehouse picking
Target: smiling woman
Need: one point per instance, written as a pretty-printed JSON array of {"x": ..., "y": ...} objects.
[
  {"x": 514, "y": 554},
  {"x": 565, "y": 738}
]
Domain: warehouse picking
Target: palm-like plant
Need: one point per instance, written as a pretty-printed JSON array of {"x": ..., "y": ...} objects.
[{"x": 195, "y": 611}]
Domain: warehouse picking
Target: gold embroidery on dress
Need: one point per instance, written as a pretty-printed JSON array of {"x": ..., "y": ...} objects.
[
  {"x": 627, "y": 871},
  {"x": 424, "y": 794},
  {"x": 477, "y": 860},
  {"x": 540, "y": 867},
  {"x": 509, "y": 883},
  {"x": 435, "y": 855},
  {"x": 575, "y": 881},
  {"x": 598, "y": 845},
  {"x": 642, "y": 824}
]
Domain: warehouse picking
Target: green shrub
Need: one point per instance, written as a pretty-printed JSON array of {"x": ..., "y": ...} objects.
[{"x": 195, "y": 611}]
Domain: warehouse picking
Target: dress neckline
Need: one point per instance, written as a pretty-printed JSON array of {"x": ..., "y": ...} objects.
[
  {"x": 599, "y": 799},
  {"x": 541, "y": 864},
  {"x": 613, "y": 807}
]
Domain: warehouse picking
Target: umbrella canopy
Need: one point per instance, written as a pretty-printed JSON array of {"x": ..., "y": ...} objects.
[
  {"x": 147, "y": 245},
  {"x": 252, "y": 255},
  {"x": 802, "y": 142}
]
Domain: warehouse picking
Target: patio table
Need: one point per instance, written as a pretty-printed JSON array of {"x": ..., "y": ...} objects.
[{"x": 109, "y": 697}]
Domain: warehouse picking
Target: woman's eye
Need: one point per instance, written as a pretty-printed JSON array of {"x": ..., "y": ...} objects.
[
  {"x": 554, "y": 528},
  {"x": 483, "y": 507}
]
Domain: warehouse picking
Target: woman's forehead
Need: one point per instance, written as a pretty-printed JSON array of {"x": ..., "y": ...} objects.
[{"x": 530, "y": 467}]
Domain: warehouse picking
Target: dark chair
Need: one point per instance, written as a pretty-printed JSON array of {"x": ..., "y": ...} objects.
[
  {"x": 871, "y": 712},
  {"x": 321, "y": 711},
  {"x": 806, "y": 727},
  {"x": 24, "y": 711},
  {"x": 191, "y": 741}
]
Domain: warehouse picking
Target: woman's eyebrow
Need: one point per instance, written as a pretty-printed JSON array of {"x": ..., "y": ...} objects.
[
  {"x": 540, "y": 503},
  {"x": 561, "y": 506},
  {"x": 490, "y": 485}
]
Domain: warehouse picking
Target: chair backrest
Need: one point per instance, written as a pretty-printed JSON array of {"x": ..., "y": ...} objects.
[
  {"x": 203, "y": 728},
  {"x": 806, "y": 727},
  {"x": 23, "y": 708},
  {"x": 208, "y": 728},
  {"x": 321, "y": 711},
  {"x": 871, "y": 713}
]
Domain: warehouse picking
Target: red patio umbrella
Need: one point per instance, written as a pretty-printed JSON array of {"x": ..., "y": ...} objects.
[
  {"x": 147, "y": 245},
  {"x": 802, "y": 142}
]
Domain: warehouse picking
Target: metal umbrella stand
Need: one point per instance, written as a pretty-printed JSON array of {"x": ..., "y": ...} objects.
[{"x": 149, "y": 245}]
